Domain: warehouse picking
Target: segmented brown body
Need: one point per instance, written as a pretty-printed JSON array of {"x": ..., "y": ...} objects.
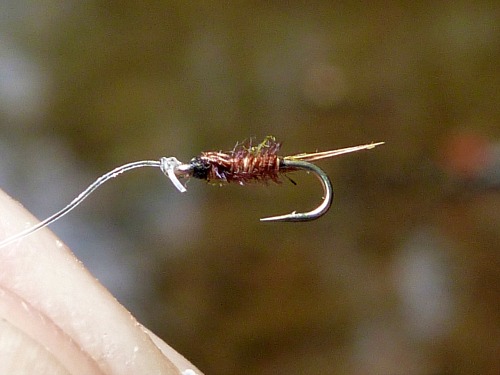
[{"x": 244, "y": 164}]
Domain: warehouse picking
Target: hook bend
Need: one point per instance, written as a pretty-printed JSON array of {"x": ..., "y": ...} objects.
[{"x": 319, "y": 211}]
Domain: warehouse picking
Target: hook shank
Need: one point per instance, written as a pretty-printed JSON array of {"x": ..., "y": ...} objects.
[{"x": 327, "y": 188}]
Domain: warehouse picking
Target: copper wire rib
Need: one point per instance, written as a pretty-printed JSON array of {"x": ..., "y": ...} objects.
[{"x": 244, "y": 164}]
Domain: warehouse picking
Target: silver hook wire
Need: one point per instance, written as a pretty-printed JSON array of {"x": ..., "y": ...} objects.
[{"x": 327, "y": 191}]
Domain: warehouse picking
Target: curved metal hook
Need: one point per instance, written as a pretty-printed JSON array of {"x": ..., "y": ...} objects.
[{"x": 327, "y": 188}]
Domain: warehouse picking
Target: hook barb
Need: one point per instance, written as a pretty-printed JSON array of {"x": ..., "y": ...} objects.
[{"x": 327, "y": 188}]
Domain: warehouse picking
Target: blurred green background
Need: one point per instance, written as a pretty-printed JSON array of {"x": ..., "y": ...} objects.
[{"x": 400, "y": 277}]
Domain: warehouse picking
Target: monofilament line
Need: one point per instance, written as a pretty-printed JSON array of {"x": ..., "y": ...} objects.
[{"x": 80, "y": 198}]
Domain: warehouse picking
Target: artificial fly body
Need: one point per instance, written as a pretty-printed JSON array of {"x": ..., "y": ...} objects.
[{"x": 244, "y": 164}]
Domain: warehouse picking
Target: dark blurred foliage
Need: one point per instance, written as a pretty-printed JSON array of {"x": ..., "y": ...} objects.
[{"x": 400, "y": 277}]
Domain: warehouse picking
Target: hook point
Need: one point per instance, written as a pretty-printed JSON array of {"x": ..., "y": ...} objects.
[{"x": 327, "y": 188}]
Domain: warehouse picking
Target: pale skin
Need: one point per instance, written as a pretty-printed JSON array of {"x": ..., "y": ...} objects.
[{"x": 55, "y": 317}]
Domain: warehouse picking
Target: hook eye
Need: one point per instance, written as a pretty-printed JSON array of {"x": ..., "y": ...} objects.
[
  {"x": 327, "y": 192},
  {"x": 171, "y": 167}
]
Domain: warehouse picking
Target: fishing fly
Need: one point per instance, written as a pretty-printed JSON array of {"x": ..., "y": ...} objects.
[{"x": 242, "y": 165}]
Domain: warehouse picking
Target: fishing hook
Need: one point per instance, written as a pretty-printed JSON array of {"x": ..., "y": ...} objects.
[{"x": 261, "y": 163}]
